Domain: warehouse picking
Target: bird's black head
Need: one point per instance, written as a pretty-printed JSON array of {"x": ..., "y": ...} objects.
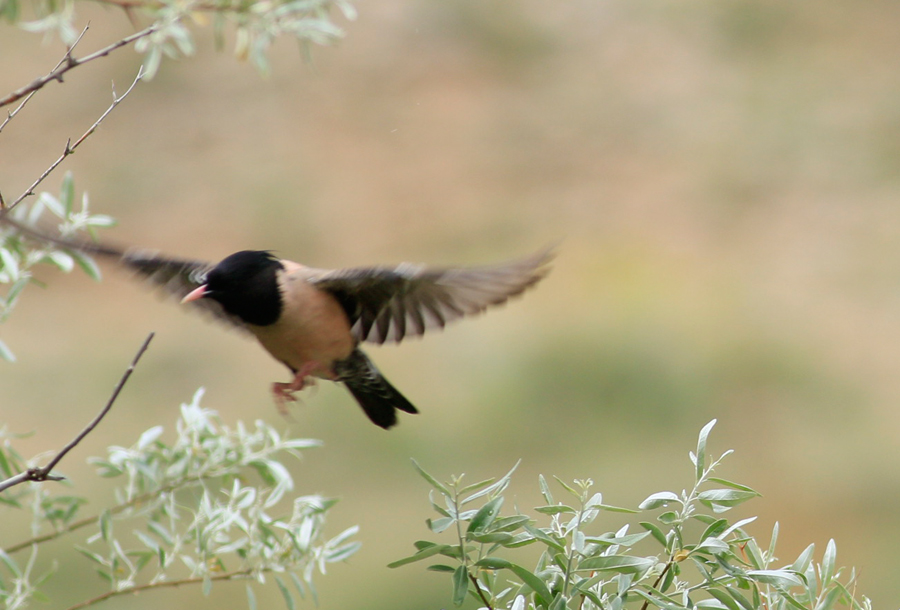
[{"x": 246, "y": 285}]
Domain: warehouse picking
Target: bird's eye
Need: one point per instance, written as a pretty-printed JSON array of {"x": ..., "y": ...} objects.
[{"x": 197, "y": 277}]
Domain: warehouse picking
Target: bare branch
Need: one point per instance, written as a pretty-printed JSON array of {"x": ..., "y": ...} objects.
[
  {"x": 43, "y": 473},
  {"x": 70, "y": 148},
  {"x": 66, "y": 57},
  {"x": 70, "y": 62}
]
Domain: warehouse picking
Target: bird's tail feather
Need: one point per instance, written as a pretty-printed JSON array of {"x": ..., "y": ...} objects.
[{"x": 377, "y": 397}]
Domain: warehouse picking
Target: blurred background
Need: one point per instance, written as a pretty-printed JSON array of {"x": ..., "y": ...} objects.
[{"x": 725, "y": 179}]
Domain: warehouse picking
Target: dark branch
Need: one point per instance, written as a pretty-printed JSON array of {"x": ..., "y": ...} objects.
[
  {"x": 70, "y": 148},
  {"x": 484, "y": 599},
  {"x": 67, "y": 57},
  {"x": 236, "y": 575},
  {"x": 43, "y": 473},
  {"x": 68, "y": 62}
]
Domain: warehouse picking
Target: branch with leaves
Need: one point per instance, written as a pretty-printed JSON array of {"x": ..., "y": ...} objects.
[
  {"x": 718, "y": 566},
  {"x": 18, "y": 258},
  {"x": 256, "y": 24},
  {"x": 212, "y": 505},
  {"x": 67, "y": 63}
]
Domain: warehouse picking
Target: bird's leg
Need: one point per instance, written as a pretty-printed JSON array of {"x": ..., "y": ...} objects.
[{"x": 284, "y": 392}]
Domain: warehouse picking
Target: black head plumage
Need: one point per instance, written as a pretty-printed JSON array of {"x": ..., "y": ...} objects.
[{"x": 246, "y": 285}]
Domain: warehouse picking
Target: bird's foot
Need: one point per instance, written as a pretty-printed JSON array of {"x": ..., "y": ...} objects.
[{"x": 284, "y": 392}]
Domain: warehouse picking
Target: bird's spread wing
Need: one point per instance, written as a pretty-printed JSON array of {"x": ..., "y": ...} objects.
[
  {"x": 176, "y": 278},
  {"x": 387, "y": 304}
]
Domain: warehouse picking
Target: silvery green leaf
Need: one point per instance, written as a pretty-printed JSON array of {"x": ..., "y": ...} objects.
[
  {"x": 724, "y": 598},
  {"x": 701, "y": 448},
  {"x": 831, "y": 598},
  {"x": 721, "y": 500},
  {"x": 737, "y": 526},
  {"x": 6, "y": 353},
  {"x": 626, "y": 540},
  {"x": 545, "y": 538},
  {"x": 558, "y": 509},
  {"x": 460, "y": 585},
  {"x": 731, "y": 484},
  {"x": 568, "y": 487},
  {"x": 658, "y": 499},
  {"x": 778, "y": 578},
  {"x": 298, "y": 584},
  {"x": 285, "y": 593},
  {"x": 12, "y": 566},
  {"x": 87, "y": 265},
  {"x": 10, "y": 264},
  {"x": 151, "y": 65},
  {"x": 67, "y": 194},
  {"x": 655, "y": 532},
  {"x": 712, "y": 604},
  {"x": 434, "y": 482},
  {"x": 496, "y": 488},
  {"x": 804, "y": 559},
  {"x": 101, "y": 221},
  {"x": 473, "y": 486},
  {"x": 89, "y": 554},
  {"x": 149, "y": 436},
  {"x": 623, "y": 564},
  {"x": 62, "y": 260},
  {"x": 668, "y": 517},
  {"x": 251, "y": 598},
  {"x": 426, "y": 549},
  {"x": 508, "y": 524},
  {"x": 53, "y": 204},
  {"x": 105, "y": 525},
  {"x": 301, "y": 443},
  {"x": 713, "y": 546},
  {"x": 826, "y": 571},
  {"x": 740, "y": 599},
  {"x": 714, "y": 529},
  {"x": 545, "y": 490},
  {"x": 439, "y": 525},
  {"x": 502, "y": 538},
  {"x": 344, "y": 552}
]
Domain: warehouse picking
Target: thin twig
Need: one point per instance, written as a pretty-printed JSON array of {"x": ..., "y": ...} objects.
[
  {"x": 70, "y": 148},
  {"x": 659, "y": 580},
  {"x": 474, "y": 580},
  {"x": 77, "y": 525},
  {"x": 43, "y": 473},
  {"x": 238, "y": 574},
  {"x": 69, "y": 63},
  {"x": 67, "y": 57}
]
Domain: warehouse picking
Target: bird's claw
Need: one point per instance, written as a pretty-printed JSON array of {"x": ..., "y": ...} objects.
[{"x": 284, "y": 392}]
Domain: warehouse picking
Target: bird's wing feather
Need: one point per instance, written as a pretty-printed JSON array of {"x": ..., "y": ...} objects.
[
  {"x": 176, "y": 278},
  {"x": 387, "y": 304}
]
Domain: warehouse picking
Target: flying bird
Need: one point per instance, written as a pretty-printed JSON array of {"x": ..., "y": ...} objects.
[{"x": 313, "y": 320}]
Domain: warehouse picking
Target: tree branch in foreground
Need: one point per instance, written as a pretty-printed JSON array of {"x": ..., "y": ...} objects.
[
  {"x": 66, "y": 57},
  {"x": 70, "y": 148},
  {"x": 238, "y": 574},
  {"x": 43, "y": 473},
  {"x": 68, "y": 62}
]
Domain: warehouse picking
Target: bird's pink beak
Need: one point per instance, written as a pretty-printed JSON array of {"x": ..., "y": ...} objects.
[{"x": 193, "y": 295}]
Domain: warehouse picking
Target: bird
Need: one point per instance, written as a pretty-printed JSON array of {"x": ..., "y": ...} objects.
[{"x": 314, "y": 320}]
